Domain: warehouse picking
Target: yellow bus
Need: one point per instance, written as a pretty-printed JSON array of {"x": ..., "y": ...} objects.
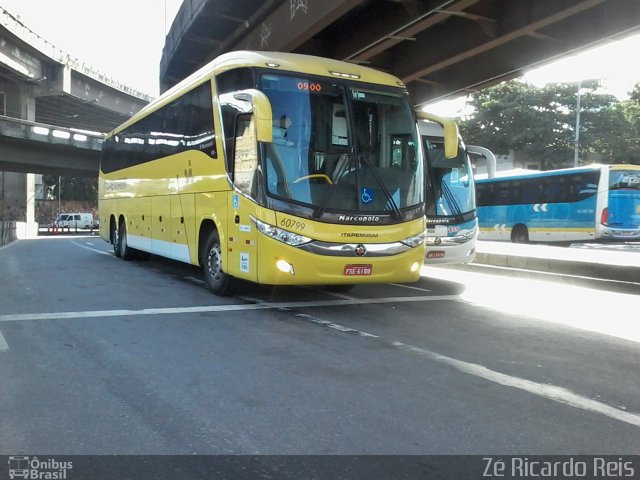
[{"x": 274, "y": 168}]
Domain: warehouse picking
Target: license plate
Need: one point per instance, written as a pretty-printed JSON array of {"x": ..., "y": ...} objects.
[
  {"x": 353, "y": 270},
  {"x": 435, "y": 254},
  {"x": 626, "y": 233}
]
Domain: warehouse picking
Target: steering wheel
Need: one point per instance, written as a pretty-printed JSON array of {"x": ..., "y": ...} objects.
[{"x": 315, "y": 175}]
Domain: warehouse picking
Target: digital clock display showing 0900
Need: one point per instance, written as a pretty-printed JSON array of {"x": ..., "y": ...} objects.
[{"x": 309, "y": 86}]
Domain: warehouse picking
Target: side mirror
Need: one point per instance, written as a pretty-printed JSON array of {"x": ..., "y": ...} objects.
[
  {"x": 262, "y": 113},
  {"x": 488, "y": 156},
  {"x": 450, "y": 132}
]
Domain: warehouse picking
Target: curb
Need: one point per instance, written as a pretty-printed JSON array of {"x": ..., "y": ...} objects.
[{"x": 625, "y": 273}]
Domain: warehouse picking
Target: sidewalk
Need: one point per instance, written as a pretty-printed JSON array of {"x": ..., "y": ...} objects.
[{"x": 587, "y": 262}]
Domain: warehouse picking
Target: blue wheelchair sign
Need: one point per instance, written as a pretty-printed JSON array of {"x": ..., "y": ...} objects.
[{"x": 366, "y": 195}]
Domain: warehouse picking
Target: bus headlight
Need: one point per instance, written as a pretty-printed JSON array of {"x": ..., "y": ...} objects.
[
  {"x": 284, "y": 236},
  {"x": 415, "y": 240}
]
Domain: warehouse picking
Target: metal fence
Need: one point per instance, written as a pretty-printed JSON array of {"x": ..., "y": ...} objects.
[{"x": 7, "y": 232}]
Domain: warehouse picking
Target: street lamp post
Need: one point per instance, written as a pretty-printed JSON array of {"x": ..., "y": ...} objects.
[
  {"x": 59, "y": 193},
  {"x": 576, "y": 143}
]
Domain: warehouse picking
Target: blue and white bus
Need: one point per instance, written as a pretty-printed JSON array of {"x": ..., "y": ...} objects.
[
  {"x": 596, "y": 202},
  {"x": 452, "y": 224}
]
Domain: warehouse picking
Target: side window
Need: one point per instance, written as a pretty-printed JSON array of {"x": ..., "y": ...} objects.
[
  {"x": 184, "y": 124},
  {"x": 246, "y": 155},
  {"x": 198, "y": 120},
  {"x": 3, "y": 104}
]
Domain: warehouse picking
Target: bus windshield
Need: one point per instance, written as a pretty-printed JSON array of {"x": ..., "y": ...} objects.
[
  {"x": 452, "y": 179},
  {"x": 624, "y": 180},
  {"x": 337, "y": 146}
]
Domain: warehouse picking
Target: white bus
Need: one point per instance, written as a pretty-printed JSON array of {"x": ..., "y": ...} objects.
[{"x": 452, "y": 223}]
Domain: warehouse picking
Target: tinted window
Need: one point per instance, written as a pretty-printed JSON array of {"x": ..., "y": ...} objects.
[
  {"x": 184, "y": 124},
  {"x": 552, "y": 189}
]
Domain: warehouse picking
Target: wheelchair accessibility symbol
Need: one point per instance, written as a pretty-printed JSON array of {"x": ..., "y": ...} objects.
[{"x": 367, "y": 195}]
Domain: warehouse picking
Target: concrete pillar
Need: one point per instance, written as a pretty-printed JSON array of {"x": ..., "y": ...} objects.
[
  {"x": 28, "y": 102},
  {"x": 17, "y": 194}
]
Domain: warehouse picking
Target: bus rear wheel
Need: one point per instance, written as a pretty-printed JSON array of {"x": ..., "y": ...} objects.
[
  {"x": 115, "y": 241},
  {"x": 218, "y": 281},
  {"x": 126, "y": 252},
  {"x": 520, "y": 234}
]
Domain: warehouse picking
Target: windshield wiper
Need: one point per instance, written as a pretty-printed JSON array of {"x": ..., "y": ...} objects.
[
  {"x": 451, "y": 200},
  {"x": 318, "y": 212},
  {"x": 390, "y": 201}
]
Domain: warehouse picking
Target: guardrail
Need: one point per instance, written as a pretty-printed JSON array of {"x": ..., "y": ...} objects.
[
  {"x": 25, "y": 129},
  {"x": 7, "y": 232}
]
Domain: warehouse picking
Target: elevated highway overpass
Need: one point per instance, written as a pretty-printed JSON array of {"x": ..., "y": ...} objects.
[
  {"x": 439, "y": 48},
  {"x": 53, "y": 112}
]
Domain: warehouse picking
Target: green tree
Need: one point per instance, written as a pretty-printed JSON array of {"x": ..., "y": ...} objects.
[
  {"x": 540, "y": 122},
  {"x": 72, "y": 188}
]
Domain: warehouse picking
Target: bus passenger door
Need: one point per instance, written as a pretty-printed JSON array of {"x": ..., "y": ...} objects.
[{"x": 242, "y": 252}]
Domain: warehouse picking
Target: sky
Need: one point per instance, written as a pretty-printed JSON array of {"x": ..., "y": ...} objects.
[{"x": 125, "y": 41}]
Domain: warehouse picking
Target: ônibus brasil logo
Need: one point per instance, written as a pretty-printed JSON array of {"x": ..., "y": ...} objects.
[{"x": 36, "y": 469}]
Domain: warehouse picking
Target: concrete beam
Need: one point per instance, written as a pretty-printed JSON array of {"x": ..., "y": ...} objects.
[
  {"x": 19, "y": 60},
  {"x": 21, "y": 156},
  {"x": 38, "y": 148},
  {"x": 293, "y": 23}
]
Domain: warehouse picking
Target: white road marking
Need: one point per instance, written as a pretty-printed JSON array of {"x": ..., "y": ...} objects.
[
  {"x": 3, "y": 343},
  {"x": 218, "y": 308},
  {"x": 92, "y": 249},
  {"x": 411, "y": 287},
  {"x": 550, "y": 392}
]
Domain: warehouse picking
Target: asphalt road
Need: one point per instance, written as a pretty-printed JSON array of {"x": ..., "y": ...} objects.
[{"x": 102, "y": 356}]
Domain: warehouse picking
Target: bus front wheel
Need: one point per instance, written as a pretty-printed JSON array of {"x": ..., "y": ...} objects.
[
  {"x": 218, "y": 281},
  {"x": 520, "y": 234}
]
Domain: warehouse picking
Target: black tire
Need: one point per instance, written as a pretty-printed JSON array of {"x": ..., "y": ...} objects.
[
  {"x": 115, "y": 242},
  {"x": 520, "y": 234},
  {"x": 219, "y": 282},
  {"x": 126, "y": 252}
]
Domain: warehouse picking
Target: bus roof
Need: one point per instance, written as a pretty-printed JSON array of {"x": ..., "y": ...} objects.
[
  {"x": 290, "y": 62},
  {"x": 524, "y": 173}
]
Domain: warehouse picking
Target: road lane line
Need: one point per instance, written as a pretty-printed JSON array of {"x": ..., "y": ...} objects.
[
  {"x": 219, "y": 308},
  {"x": 550, "y": 392},
  {"x": 410, "y": 287},
  {"x": 92, "y": 249},
  {"x": 3, "y": 343}
]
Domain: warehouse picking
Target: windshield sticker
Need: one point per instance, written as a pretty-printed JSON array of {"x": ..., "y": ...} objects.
[{"x": 367, "y": 195}]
